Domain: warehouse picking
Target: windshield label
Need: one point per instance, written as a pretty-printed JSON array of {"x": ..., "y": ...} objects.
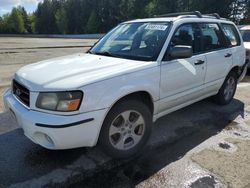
[{"x": 156, "y": 27}]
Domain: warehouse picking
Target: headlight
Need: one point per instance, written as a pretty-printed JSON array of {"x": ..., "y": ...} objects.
[{"x": 60, "y": 101}]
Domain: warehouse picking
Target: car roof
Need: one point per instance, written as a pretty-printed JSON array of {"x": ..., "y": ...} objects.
[
  {"x": 245, "y": 27},
  {"x": 187, "y": 17}
]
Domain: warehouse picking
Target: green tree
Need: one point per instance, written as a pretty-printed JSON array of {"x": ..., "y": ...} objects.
[
  {"x": 1, "y": 25},
  {"x": 93, "y": 24},
  {"x": 32, "y": 21},
  {"x": 26, "y": 20},
  {"x": 91, "y": 16},
  {"x": 222, "y": 7},
  {"x": 15, "y": 23},
  {"x": 61, "y": 20},
  {"x": 45, "y": 17},
  {"x": 78, "y": 13},
  {"x": 167, "y": 6},
  {"x": 246, "y": 15},
  {"x": 150, "y": 9}
]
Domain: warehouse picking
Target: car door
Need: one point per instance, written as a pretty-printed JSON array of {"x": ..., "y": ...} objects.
[
  {"x": 219, "y": 57},
  {"x": 234, "y": 43},
  {"x": 182, "y": 79}
]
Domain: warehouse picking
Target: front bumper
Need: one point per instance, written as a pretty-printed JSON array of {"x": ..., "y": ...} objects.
[{"x": 56, "y": 131}]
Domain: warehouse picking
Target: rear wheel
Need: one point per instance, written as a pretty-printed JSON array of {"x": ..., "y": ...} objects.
[
  {"x": 227, "y": 90},
  {"x": 126, "y": 129}
]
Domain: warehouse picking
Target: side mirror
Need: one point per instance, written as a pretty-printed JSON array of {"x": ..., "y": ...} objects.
[{"x": 181, "y": 52}]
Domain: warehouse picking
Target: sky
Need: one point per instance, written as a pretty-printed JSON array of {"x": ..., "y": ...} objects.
[{"x": 7, "y": 5}]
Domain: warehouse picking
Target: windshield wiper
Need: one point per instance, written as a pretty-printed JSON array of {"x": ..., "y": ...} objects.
[{"x": 105, "y": 53}]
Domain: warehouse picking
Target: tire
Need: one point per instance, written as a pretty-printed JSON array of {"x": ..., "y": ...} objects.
[
  {"x": 227, "y": 90},
  {"x": 126, "y": 129}
]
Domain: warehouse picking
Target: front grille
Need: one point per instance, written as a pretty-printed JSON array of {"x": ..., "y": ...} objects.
[{"x": 21, "y": 92}]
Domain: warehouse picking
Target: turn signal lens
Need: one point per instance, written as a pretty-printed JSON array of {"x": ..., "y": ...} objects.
[{"x": 70, "y": 105}]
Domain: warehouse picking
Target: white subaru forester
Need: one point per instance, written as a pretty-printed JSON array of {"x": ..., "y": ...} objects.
[{"x": 140, "y": 71}]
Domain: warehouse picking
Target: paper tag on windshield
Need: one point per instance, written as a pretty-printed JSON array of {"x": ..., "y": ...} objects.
[{"x": 156, "y": 27}]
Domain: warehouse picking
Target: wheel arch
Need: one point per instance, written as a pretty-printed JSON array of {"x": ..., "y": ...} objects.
[
  {"x": 237, "y": 70},
  {"x": 143, "y": 96}
]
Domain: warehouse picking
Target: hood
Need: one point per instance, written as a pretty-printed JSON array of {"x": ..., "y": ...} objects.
[
  {"x": 74, "y": 71},
  {"x": 247, "y": 45}
]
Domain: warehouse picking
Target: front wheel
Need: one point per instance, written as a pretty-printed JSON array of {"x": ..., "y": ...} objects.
[
  {"x": 126, "y": 129},
  {"x": 227, "y": 90}
]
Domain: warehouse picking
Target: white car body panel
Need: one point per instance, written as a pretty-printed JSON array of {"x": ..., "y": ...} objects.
[
  {"x": 178, "y": 78},
  {"x": 105, "y": 80},
  {"x": 73, "y": 71},
  {"x": 218, "y": 65},
  {"x": 98, "y": 96},
  {"x": 247, "y": 46}
]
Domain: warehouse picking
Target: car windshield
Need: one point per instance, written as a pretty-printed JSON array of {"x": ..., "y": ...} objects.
[
  {"x": 137, "y": 41},
  {"x": 245, "y": 35}
]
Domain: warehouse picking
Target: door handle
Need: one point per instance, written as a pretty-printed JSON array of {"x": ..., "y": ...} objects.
[
  {"x": 199, "y": 62},
  {"x": 228, "y": 55}
]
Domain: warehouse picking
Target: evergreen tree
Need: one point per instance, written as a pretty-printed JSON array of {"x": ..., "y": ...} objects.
[
  {"x": 61, "y": 20},
  {"x": 45, "y": 17},
  {"x": 99, "y": 16},
  {"x": 93, "y": 24},
  {"x": 26, "y": 20},
  {"x": 15, "y": 23}
]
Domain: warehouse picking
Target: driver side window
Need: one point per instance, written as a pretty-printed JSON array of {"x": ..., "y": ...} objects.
[{"x": 188, "y": 35}]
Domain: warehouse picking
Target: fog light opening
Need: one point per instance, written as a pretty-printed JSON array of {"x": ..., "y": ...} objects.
[
  {"x": 49, "y": 139},
  {"x": 44, "y": 140}
]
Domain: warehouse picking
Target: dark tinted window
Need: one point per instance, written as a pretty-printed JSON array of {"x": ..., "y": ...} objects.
[
  {"x": 245, "y": 35},
  {"x": 212, "y": 37},
  {"x": 232, "y": 35},
  {"x": 189, "y": 35}
]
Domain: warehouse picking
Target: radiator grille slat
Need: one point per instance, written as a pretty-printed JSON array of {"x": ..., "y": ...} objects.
[{"x": 21, "y": 92}]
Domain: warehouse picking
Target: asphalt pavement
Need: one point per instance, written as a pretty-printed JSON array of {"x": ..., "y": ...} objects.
[
  {"x": 203, "y": 145},
  {"x": 24, "y": 164}
]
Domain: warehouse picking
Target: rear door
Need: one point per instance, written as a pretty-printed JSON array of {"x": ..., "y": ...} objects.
[
  {"x": 234, "y": 43},
  {"x": 218, "y": 55}
]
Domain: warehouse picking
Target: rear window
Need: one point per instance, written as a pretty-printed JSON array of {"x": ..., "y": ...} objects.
[
  {"x": 245, "y": 35},
  {"x": 232, "y": 36}
]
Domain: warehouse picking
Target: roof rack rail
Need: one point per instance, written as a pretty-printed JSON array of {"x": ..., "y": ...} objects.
[
  {"x": 216, "y": 15},
  {"x": 195, "y": 13}
]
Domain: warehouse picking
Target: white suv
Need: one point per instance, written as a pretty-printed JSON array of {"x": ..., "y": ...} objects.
[{"x": 138, "y": 72}]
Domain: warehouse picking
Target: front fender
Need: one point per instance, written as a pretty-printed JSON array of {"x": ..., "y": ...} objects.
[{"x": 106, "y": 93}]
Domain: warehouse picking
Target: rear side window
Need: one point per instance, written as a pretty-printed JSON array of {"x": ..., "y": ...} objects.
[
  {"x": 212, "y": 37},
  {"x": 232, "y": 36}
]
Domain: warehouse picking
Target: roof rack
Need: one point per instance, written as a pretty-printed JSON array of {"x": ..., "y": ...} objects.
[
  {"x": 216, "y": 15},
  {"x": 195, "y": 13}
]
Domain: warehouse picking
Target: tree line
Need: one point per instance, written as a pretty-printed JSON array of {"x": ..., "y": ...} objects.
[{"x": 99, "y": 16}]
